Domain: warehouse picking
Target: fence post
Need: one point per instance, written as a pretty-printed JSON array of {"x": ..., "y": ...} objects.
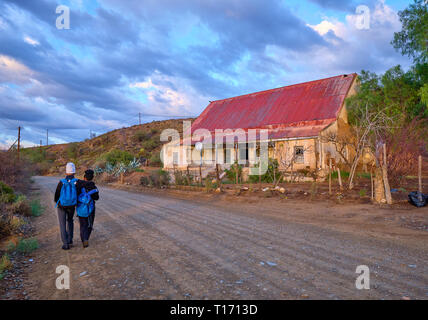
[
  {"x": 329, "y": 176},
  {"x": 420, "y": 176},
  {"x": 340, "y": 179},
  {"x": 385, "y": 178}
]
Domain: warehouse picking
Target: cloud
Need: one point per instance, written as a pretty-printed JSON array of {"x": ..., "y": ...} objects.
[
  {"x": 31, "y": 41},
  {"x": 167, "y": 57},
  {"x": 13, "y": 71},
  {"x": 351, "y": 49}
]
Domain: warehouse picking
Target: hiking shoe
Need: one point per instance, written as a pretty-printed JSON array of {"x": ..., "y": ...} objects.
[
  {"x": 66, "y": 247},
  {"x": 85, "y": 244}
]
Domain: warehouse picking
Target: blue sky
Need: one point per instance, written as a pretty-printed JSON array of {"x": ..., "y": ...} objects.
[{"x": 167, "y": 58}]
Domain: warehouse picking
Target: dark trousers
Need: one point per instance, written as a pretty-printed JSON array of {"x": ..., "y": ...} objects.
[
  {"x": 66, "y": 223},
  {"x": 86, "y": 226}
]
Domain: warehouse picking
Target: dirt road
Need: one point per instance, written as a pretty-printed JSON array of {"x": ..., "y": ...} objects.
[{"x": 148, "y": 246}]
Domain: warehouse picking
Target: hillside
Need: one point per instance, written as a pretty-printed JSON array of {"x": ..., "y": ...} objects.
[{"x": 140, "y": 141}]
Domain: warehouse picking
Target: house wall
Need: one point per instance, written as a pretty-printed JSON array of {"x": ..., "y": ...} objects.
[
  {"x": 284, "y": 152},
  {"x": 316, "y": 151}
]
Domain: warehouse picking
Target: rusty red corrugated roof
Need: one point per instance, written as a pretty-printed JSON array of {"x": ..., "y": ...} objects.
[{"x": 298, "y": 110}]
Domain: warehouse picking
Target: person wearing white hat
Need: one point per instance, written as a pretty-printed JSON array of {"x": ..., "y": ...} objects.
[{"x": 66, "y": 200}]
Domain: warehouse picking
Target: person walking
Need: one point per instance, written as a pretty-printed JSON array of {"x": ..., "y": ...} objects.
[
  {"x": 87, "y": 194},
  {"x": 66, "y": 201}
]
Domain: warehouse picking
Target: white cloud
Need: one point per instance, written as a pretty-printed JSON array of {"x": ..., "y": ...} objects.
[
  {"x": 351, "y": 49},
  {"x": 31, "y": 41},
  {"x": 329, "y": 25},
  {"x": 171, "y": 95},
  {"x": 13, "y": 71},
  {"x": 7, "y": 141},
  {"x": 3, "y": 24}
]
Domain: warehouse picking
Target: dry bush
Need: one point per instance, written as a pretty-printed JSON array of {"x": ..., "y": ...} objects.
[
  {"x": 403, "y": 148},
  {"x": 13, "y": 172},
  {"x": 21, "y": 206},
  {"x": 5, "y": 227}
]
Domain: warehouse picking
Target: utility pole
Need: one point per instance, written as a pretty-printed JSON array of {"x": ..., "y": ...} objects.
[
  {"x": 47, "y": 137},
  {"x": 420, "y": 176},
  {"x": 19, "y": 140}
]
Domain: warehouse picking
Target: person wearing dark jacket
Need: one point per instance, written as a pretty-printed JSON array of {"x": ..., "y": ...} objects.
[
  {"x": 87, "y": 223},
  {"x": 66, "y": 213}
]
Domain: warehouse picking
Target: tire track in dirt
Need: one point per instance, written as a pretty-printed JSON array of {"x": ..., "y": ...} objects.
[
  {"x": 154, "y": 247},
  {"x": 346, "y": 273},
  {"x": 191, "y": 266},
  {"x": 349, "y": 279},
  {"x": 229, "y": 252}
]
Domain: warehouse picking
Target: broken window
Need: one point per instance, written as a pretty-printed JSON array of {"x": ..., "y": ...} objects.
[{"x": 299, "y": 155}]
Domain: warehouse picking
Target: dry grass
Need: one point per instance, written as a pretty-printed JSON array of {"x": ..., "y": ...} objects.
[{"x": 5, "y": 265}]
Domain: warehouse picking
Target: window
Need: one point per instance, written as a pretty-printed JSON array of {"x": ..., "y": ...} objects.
[
  {"x": 299, "y": 155},
  {"x": 243, "y": 153},
  {"x": 227, "y": 156},
  {"x": 175, "y": 158}
]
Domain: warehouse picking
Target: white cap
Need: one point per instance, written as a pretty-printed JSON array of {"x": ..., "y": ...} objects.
[{"x": 70, "y": 168}]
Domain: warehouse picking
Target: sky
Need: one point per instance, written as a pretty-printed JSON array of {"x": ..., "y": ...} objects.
[{"x": 169, "y": 58}]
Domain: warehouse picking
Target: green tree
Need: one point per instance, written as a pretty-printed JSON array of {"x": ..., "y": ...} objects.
[
  {"x": 412, "y": 39},
  {"x": 369, "y": 93},
  {"x": 401, "y": 93}
]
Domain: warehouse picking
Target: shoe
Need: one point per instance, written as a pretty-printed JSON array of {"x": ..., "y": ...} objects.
[
  {"x": 66, "y": 247},
  {"x": 85, "y": 244}
]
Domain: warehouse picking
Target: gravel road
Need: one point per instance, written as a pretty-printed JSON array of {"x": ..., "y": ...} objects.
[{"x": 148, "y": 246}]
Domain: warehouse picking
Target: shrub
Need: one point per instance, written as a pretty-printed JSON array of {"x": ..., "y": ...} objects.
[
  {"x": 35, "y": 155},
  {"x": 5, "y": 264},
  {"x": 24, "y": 246},
  {"x": 140, "y": 136},
  {"x": 155, "y": 159},
  {"x": 363, "y": 193},
  {"x": 151, "y": 144},
  {"x": 159, "y": 178},
  {"x": 16, "y": 222},
  {"x": 7, "y": 195},
  {"x": 36, "y": 208},
  {"x": 145, "y": 181},
  {"x": 233, "y": 171},
  {"x": 12, "y": 174},
  {"x": 179, "y": 178},
  {"x": 209, "y": 185},
  {"x": 5, "y": 226},
  {"x": 116, "y": 156},
  {"x": 271, "y": 173},
  {"x": 73, "y": 150},
  {"x": 21, "y": 206}
]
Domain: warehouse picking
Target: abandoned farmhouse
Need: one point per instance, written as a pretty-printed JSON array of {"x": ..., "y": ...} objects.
[{"x": 296, "y": 118}]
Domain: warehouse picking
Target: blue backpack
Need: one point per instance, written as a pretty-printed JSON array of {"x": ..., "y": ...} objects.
[
  {"x": 85, "y": 203},
  {"x": 68, "y": 196}
]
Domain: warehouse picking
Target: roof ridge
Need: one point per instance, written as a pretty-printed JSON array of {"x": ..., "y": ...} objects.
[{"x": 288, "y": 86}]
